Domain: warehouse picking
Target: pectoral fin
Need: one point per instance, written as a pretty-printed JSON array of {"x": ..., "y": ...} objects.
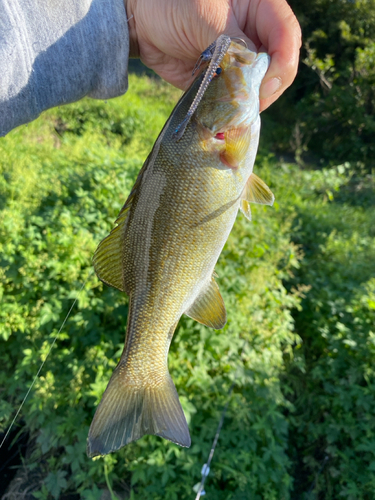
[
  {"x": 257, "y": 191},
  {"x": 209, "y": 308},
  {"x": 237, "y": 141}
]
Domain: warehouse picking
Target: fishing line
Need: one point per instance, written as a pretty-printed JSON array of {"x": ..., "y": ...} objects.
[
  {"x": 323, "y": 464},
  {"x": 206, "y": 466},
  {"x": 49, "y": 351}
]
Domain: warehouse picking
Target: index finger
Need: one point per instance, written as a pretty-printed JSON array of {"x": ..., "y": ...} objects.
[{"x": 280, "y": 35}]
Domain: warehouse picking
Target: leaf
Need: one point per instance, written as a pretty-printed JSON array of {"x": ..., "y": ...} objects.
[{"x": 55, "y": 482}]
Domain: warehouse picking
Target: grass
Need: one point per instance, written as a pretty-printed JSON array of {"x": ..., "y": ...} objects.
[{"x": 298, "y": 283}]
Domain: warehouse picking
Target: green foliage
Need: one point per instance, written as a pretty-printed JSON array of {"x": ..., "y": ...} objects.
[
  {"x": 63, "y": 181},
  {"x": 298, "y": 283},
  {"x": 331, "y": 378},
  {"x": 330, "y": 110}
]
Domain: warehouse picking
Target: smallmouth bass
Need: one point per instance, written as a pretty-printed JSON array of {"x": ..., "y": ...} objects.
[{"x": 169, "y": 235}]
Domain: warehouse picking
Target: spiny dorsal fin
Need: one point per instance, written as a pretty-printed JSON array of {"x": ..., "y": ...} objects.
[
  {"x": 209, "y": 308},
  {"x": 257, "y": 191},
  {"x": 108, "y": 257}
]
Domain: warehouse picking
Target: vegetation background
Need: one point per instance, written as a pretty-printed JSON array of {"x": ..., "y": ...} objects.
[{"x": 298, "y": 283}]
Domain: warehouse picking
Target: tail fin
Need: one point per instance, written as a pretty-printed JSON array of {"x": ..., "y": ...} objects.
[{"x": 127, "y": 412}]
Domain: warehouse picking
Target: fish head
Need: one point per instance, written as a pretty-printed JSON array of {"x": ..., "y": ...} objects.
[
  {"x": 230, "y": 105},
  {"x": 232, "y": 98}
]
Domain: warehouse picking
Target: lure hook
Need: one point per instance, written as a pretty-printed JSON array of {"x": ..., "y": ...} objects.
[
  {"x": 204, "y": 57},
  {"x": 240, "y": 40},
  {"x": 215, "y": 54}
]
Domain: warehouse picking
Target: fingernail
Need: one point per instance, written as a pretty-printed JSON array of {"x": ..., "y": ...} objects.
[{"x": 270, "y": 87}]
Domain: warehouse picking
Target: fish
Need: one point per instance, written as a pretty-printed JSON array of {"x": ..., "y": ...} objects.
[{"x": 168, "y": 237}]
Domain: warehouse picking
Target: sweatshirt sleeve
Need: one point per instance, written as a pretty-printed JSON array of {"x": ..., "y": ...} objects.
[{"x": 55, "y": 52}]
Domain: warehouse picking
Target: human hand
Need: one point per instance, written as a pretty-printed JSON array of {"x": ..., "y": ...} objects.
[{"x": 169, "y": 36}]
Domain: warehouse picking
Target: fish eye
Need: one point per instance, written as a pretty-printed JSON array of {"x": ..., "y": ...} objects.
[{"x": 218, "y": 71}]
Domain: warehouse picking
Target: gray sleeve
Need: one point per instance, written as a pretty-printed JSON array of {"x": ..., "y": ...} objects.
[{"x": 54, "y": 52}]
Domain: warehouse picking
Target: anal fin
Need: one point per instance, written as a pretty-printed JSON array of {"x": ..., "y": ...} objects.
[{"x": 209, "y": 308}]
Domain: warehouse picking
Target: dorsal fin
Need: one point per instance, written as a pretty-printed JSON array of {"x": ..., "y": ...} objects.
[
  {"x": 108, "y": 257},
  {"x": 257, "y": 191},
  {"x": 209, "y": 308}
]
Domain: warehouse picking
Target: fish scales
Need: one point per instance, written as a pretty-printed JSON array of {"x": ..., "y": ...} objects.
[{"x": 168, "y": 238}]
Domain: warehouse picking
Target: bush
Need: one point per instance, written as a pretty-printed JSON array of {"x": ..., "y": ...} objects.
[
  {"x": 331, "y": 378},
  {"x": 298, "y": 283},
  {"x": 328, "y": 114},
  {"x": 60, "y": 200}
]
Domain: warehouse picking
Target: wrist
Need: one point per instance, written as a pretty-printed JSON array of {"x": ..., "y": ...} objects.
[{"x": 133, "y": 40}]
